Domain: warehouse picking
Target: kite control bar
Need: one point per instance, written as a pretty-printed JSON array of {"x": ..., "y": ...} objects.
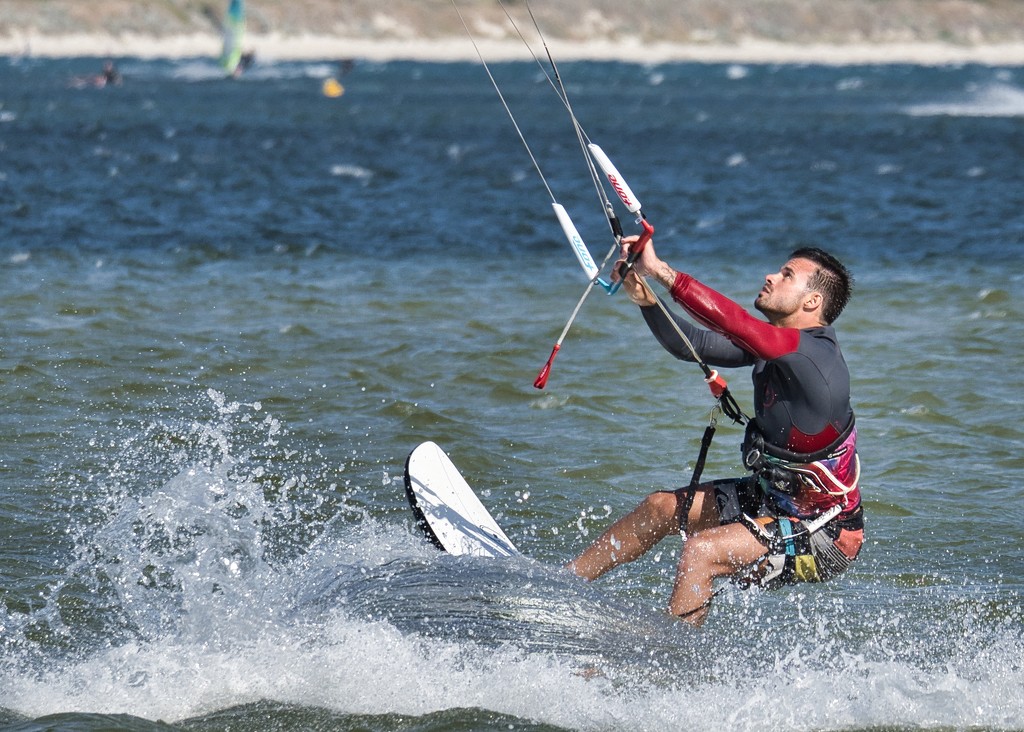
[
  {"x": 632, "y": 204},
  {"x": 579, "y": 248}
]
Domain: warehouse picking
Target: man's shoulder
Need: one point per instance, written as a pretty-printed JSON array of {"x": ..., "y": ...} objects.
[
  {"x": 827, "y": 332},
  {"x": 819, "y": 339}
]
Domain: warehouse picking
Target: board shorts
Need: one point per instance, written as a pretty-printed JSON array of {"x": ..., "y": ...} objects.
[{"x": 794, "y": 555}]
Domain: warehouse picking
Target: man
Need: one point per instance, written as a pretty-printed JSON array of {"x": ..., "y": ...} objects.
[
  {"x": 110, "y": 75},
  {"x": 797, "y": 516}
]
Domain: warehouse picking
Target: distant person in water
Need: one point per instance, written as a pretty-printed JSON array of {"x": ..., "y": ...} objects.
[
  {"x": 246, "y": 60},
  {"x": 109, "y": 76}
]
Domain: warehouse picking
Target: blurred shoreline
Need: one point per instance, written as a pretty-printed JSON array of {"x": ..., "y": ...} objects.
[
  {"x": 278, "y": 47},
  {"x": 923, "y": 32}
]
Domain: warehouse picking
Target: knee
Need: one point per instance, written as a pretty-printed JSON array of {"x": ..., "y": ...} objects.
[{"x": 699, "y": 552}]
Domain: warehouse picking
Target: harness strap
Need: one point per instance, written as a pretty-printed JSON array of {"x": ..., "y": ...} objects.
[
  {"x": 786, "y": 533},
  {"x": 702, "y": 456},
  {"x": 686, "y": 496},
  {"x": 698, "y": 468},
  {"x": 703, "y": 606}
]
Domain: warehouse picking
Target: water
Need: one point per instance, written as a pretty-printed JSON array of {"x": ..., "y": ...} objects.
[{"x": 231, "y": 309}]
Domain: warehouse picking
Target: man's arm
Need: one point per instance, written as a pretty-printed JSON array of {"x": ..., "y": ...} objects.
[
  {"x": 708, "y": 307},
  {"x": 722, "y": 315},
  {"x": 713, "y": 348}
]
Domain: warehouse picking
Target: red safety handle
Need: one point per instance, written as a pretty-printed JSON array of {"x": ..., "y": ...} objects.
[
  {"x": 542, "y": 378},
  {"x": 716, "y": 383},
  {"x": 637, "y": 247},
  {"x": 635, "y": 250}
]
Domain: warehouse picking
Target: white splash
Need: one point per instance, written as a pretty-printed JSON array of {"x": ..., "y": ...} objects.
[{"x": 994, "y": 99}]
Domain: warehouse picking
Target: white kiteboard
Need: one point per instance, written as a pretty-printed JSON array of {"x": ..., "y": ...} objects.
[{"x": 448, "y": 510}]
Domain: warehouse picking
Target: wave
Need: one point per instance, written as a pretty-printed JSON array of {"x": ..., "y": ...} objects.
[
  {"x": 222, "y": 574},
  {"x": 993, "y": 99}
]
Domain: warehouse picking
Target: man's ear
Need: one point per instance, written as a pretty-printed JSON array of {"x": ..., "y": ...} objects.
[{"x": 813, "y": 301}]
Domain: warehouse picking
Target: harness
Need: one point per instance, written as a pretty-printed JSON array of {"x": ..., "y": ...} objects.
[
  {"x": 798, "y": 550},
  {"x": 786, "y": 471}
]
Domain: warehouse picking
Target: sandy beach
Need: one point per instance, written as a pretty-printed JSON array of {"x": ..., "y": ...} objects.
[
  {"x": 279, "y": 47},
  {"x": 931, "y": 32}
]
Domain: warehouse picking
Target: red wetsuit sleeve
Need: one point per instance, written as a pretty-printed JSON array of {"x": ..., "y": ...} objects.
[{"x": 715, "y": 311}]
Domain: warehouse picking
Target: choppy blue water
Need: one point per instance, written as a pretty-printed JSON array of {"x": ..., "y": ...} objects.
[{"x": 231, "y": 309}]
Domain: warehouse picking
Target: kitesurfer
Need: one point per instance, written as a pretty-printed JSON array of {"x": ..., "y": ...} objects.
[
  {"x": 797, "y": 515},
  {"x": 246, "y": 60},
  {"x": 110, "y": 75}
]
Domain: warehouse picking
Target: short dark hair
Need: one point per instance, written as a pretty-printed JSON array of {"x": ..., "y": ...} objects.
[{"x": 832, "y": 279}]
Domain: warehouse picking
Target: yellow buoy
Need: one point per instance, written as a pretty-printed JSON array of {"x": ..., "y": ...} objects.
[{"x": 332, "y": 88}]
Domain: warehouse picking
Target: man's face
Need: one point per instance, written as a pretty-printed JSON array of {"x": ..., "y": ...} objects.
[{"x": 784, "y": 292}]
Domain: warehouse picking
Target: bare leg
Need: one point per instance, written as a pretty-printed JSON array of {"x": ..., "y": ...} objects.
[
  {"x": 633, "y": 535},
  {"x": 710, "y": 551},
  {"x": 714, "y": 552}
]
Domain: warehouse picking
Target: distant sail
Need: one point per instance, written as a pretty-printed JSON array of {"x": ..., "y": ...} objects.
[{"x": 234, "y": 36}]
